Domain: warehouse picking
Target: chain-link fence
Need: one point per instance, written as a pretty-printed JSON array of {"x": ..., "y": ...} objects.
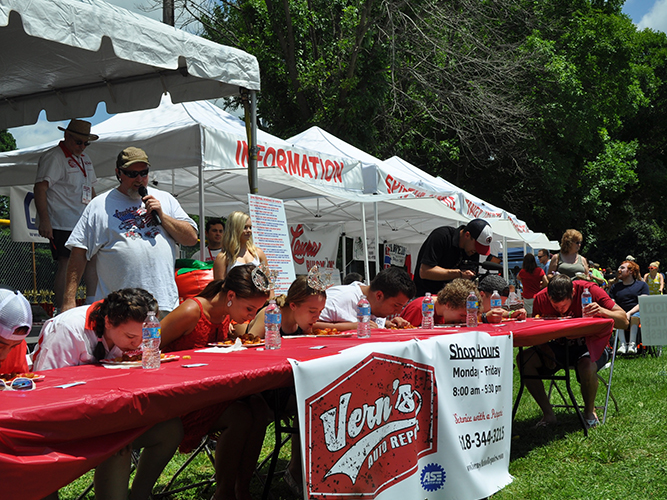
[{"x": 22, "y": 268}]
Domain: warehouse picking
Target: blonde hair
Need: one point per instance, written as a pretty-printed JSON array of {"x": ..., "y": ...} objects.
[
  {"x": 655, "y": 264},
  {"x": 568, "y": 239},
  {"x": 231, "y": 240}
]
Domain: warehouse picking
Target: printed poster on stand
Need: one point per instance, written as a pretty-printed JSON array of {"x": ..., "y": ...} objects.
[
  {"x": 270, "y": 233},
  {"x": 424, "y": 419},
  {"x": 314, "y": 248}
]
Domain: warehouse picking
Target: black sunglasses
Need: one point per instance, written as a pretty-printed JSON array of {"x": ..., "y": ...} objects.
[
  {"x": 134, "y": 173},
  {"x": 78, "y": 142}
]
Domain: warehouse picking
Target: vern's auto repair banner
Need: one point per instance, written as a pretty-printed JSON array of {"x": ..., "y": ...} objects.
[
  {"x": 426, "y": 419},
  {"x": 310, "y": 248}
]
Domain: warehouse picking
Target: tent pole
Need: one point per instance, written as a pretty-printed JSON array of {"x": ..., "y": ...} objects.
[
  {"x": 505, "y": 264},
  {"x": 202, "y": 220},
  {"x": 250, "y": 105},
  {"x": 344, "y": 257},
  {"x": 377, "y": 240},
  {"x": 367, "y": 269}
]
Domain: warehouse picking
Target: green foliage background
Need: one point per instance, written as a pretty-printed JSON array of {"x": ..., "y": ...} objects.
[{"x": 553, "y": 109}]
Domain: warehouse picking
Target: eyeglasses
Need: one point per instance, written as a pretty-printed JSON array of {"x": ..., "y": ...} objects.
[
  {"x": 78, "y": 142},
  {"x": 18, "y": 384},
  {"x": 134, "y": 173}
]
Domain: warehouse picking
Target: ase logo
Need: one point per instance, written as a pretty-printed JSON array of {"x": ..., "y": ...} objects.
[{"x": 366, "y": 430}]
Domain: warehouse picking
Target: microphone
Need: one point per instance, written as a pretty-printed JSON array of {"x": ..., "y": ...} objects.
[{"x": 143, "y": 192}]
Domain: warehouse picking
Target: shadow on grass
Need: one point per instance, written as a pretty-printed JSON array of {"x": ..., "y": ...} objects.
[{"x": 526, "y": 437}]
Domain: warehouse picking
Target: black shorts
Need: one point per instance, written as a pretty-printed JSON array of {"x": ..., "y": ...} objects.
[
  {"x": 577, "y": 350},
  {"x": 58, "y": 249}
]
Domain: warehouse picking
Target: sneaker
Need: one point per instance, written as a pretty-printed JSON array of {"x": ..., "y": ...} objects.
[
  {"x": 632, "y": 348},
  {"x": 622, "y": 349}
]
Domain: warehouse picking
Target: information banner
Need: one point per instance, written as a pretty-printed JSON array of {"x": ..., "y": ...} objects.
[
  {"x": 23, "y": 215},
  {"x": 427, "y": 419},
  {"x": 313, "y": 248},
  {"x": 270, "y": 233}
]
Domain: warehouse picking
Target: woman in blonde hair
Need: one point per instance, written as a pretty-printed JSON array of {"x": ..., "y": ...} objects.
[
  {"x": 654, "y": 279},
  {"x": 237, "y": 246},
  {"x": 568, "y": 261}
]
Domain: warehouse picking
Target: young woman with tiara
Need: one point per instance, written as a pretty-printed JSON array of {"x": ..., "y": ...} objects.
[
  {"x": 104, "y": 330},
  {"x": 237, "y": 246},
  {"x": 238, "y": 426}
]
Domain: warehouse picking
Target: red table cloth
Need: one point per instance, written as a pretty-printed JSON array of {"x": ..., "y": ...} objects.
[{"x": 58, "y": 434}]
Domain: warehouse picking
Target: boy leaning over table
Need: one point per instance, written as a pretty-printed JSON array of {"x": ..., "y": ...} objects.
[
  {"x": 15, "y": 325},
  {"x": 563, "y": 298}
]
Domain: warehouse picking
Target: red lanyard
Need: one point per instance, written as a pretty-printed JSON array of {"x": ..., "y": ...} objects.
[{"x": 70, "y": 156}]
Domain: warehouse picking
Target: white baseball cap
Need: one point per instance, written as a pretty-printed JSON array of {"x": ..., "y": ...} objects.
[{"x": 15, "y": 312}]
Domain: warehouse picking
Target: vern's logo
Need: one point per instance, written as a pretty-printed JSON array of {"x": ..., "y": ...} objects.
[{"x": 366, "y": 430}]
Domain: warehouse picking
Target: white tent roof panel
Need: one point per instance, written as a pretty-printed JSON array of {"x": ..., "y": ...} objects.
[{"x": 66, "y": 56}]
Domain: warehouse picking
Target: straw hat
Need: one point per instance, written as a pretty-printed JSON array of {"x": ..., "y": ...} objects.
[{"x": 80, "y": 128}]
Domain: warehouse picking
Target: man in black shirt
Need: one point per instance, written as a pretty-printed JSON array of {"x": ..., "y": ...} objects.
[{"x": 439, "y": 259}]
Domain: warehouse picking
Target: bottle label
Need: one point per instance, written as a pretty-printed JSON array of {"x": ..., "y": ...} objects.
[
  {"x": 365, "y": 310},
  {"x": 586, "y": 300},
  {"x": 471, "y": 304},
  {"x": 151, "y": 333},
  {"x": 428, "y": 307},
  {"x": 273, "y": 318},
  {"x": 496, "y": 303}
]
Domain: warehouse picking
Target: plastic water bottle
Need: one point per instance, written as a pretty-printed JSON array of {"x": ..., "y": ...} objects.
[
  {"x": 150, "y": 344},
  {"x": 472, "y": 307},
  {"x": 428, "y": 311},
  {"x": 363, "y": 318},
  {"x": 496, "y": 301},
  {"x": 586, "y": 298},
  {"x": 272, "y": 319}
]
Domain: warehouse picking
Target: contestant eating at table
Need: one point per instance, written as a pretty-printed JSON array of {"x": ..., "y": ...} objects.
[
  {"x": 450, "y": 304},
  {"x": 15, "y": 325},
  {"x": 300, "y": 308},
  {"x": 104, "y": 330},
  {"x": 562, "y": 297},
  {"x": 388, "y": 293},
  {"x": 241, "y": 424},
  {"x": 487, "y": 285}
]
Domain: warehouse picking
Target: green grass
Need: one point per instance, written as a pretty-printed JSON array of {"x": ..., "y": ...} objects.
[{"x": 622, "y": 459}]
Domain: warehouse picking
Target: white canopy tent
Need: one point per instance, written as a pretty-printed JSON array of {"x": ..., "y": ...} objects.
[
  {"x": 195, "y": 142},
  {"x": 66, "y": 56}
]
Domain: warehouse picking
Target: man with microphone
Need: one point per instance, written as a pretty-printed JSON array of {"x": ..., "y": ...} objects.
[{"x": 134, "y": 232}]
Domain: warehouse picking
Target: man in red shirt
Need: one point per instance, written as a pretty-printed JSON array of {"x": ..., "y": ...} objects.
[
  {"x": 15, "y": 325},
  {"x": 562, "y": 297}
]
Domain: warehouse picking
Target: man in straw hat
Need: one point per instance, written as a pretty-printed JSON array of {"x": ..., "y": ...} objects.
[{"x": 63, "y": 188}]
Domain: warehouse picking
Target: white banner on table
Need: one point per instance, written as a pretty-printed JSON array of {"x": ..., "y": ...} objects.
[
  {"x": 23, "y": 214},
  {"x": 418, "y": 419},
  {"x": 313, "y": 248},
  {"x": 271, "y": 235}
]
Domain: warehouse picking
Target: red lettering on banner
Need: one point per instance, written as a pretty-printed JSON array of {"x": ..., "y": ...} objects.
[
  {"x": 314, "y": 161},
  {"x": 305, "y": 169},
  {"x": 328, "y": 170},
  {"x": 293, "y": 161},
  {"x": 301, "y": 249},
  {"x": 382, "y": 400},
  {"x": 281, "y": 160},
  {"x": 260, "y": 150},
  {"x": 339, "y": 171},
  {"x": 477, "y": 211},
  {"x": 270, "y": 152},
  {"x": 241, "y": 154}
]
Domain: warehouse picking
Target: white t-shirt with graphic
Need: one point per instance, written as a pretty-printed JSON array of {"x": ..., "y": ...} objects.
[{"x": 132, "y": 250}]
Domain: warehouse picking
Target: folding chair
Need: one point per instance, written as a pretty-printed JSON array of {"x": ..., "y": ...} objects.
[
  {"x": 606, "y": 383},
  {"x": 206, "y": 446},
  {"x": 284, "y": 426}
]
